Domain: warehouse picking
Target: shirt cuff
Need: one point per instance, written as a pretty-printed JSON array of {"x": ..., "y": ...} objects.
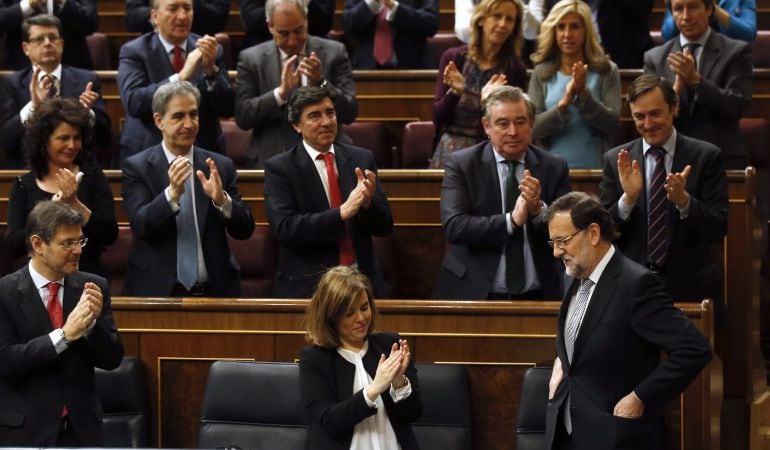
[
  {"x": 278, "y": 98},
  {"x": 684, "y": 212},
  {"x": 173, "y": 78},
  {"x": 509, "y": 223},
  {"x": 227, "y": 207},
  {"x": 171, "y": 203},
  {"x": 57, "y": 340},
  {"x": 624, "y": 210},
  {"x": 26, "y": 112},
  {"x": 92, "y": 120},
  {"x": 401, "y": 393}
]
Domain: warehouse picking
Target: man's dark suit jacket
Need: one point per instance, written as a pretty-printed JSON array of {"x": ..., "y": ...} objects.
[
  {"x": 333, "y": 409},
  {"x": 475, "y": 226},
  {"x": 693, "y": 268},
  {"x": 308, "y": 230},
  {"x": 152, "y": 264},
  {"x": 624, "y": 30},
  {"x": 73, "y": 83},
  {"x": 630, "y": 320},
  {"x": 712, "y": 111},
  {"x": 210, "y": 16},
  {"x": 144, "y": 66},
  {"x": 320, "y": 19},
  {"x": 256, "y": 109},
  {"x": 35, "y": 382},
  {"x": 79, "y": 18},
  {"x": 414, "y": 22}
]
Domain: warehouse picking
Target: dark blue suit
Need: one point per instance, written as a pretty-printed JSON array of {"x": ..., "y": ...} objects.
[
  {"x": 414, "y": 22},
  {"x": 308, "y": 230},
  {"x": 35, "y": 382},
  {"x": 73, "y": 83},
  {"x": 475, "y": 226},
  {"x": 144, "y": 66},
  {"x": 152, "y": 264}
]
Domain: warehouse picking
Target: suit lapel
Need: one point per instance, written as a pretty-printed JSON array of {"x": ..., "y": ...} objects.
[
  {"x": 32, "y": 305},
  {"x": 162, "y": 60},
  {"x": 600, "y": 299},
  {"x": 157, "y": 170},
  {"x": 69, "y": 84},
  {"x": 709, "y": 55},
  {"x": 202, "y": 202},
  {"x": 312, "y": 180},
  {"x": 273, "y": 71},
  {"x": 345, "y": 171},
  {"x": 494, "y": 200},
  {"x": 72, "y": 290},
  {"x": 561, "y": 348}
]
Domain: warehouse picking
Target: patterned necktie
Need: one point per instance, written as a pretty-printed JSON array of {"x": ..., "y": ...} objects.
[
  {"x": 571, "y": 329},
  {"x": 692, "y": 46},
  {"x": 53, "y": 91},
  {"x": 186, "y": 239},
  {"x": 657, "y": 209},
  {"x": 514, "y": 248},
  {"x": 347, "y": 252},
  {"x": 178, "y": 61},
  {"x": 383, "y": 39}
]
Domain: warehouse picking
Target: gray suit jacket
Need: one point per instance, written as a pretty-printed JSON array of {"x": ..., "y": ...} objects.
[
  {"x": 259, "y": 72},
  {"x": 712, "y": 111}
]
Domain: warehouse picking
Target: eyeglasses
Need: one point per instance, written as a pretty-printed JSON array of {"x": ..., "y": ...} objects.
[
  {"x": 562, "y": 242},
  {"x": 54, "y": 38},
  {"x": 70, "y": 245}
]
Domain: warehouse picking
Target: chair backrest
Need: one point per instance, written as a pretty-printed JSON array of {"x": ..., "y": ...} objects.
[
  {"x": 236, "y": 142},
  {"x": 417, "y": 145},
  {"x": 754, "y": 132},
  {"x": 760, "y": 49},
  {"x": 224, "y": 40},
  {"x": 122, "y": 393},
  {"x": 372, "y": 136},
  {"x": 253, "y": 405},
  {"x": 530, "y": 425},
  {"x": 441, "y": 42},
  {"x": 256, "y": 256},
  {"x": 99, "y": 47},
  {"x": 445, "y": 422},
  {"x": 115, "y": 259}
]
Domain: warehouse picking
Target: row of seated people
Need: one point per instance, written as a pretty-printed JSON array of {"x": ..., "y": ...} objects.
[{"x": 575, "y": 86}]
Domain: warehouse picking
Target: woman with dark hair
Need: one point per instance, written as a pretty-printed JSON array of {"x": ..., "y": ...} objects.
[
  {"x": 574, "y": 86},
  {"x": 356, "y": 397},
  {"x": 466, "y": 74},
  {"x": 61, "y": 170}
]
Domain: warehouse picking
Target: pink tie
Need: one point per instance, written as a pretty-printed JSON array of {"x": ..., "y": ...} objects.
[
  {"x": 347, "y": 253},
  {"x": 383, "y": 39}
]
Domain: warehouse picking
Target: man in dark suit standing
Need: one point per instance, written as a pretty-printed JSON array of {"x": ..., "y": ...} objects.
[
  {"x": 56, "y": 325},
  {"x": 609, "y": 385},
  {"x": 668, "y": 196},
  {"x": 391, "y": 34},
  {"x": 181, "y": 220},
  {"x": 269, "y": 72},
  {"x": 169, "y": 54},
  {"x": 322, "y": 200},
  {"x": 493, "y": 198},
  {"x": 79, "y": 19},
  {"x": 47, "y": 77},
  {"x": 711, "y": 73},
  {"x": 320, "y": 15}
]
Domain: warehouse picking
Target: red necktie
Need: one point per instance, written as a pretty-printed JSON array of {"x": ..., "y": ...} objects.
[
  {"x": 383, "y": 39},
  {"x": 55, "y": 313},
  {"x": 52, "y": 90},
  {"x": 178, "y": 62},
  {"x": 347, "y": 253}
]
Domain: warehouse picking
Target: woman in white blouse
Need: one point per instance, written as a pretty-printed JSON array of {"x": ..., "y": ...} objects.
[{"x": 359, "y": 388}]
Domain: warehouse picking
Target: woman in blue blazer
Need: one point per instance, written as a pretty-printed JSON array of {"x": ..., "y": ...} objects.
[{"x": 359, "y": 388}]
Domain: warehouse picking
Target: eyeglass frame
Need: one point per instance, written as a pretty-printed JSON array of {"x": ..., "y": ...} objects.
[
  {"x": 560, "y": 243},
  {"x": 37, "y": 40},
  {"x": 70, "y": 245}
]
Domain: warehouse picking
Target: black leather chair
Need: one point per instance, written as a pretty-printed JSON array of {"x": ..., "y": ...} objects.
[
  {"x": 530, "y": 426},
  {"x": 445, "y": 423},
  {"x": 123, "y": 395},
  {"x": 253, "y": 406}
]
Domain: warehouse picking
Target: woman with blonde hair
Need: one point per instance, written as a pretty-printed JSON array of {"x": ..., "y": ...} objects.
[
  {"x": 355, "y": 395},
  {"x": 574, "y": 86},
  {"x": 467, "y": 73}
]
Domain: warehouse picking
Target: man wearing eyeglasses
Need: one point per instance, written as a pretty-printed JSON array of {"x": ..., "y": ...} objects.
[
  {"x": 609, "y": 386},
  {"x": 270, "y": 71},
  {"x": 56, "y": 326},
  {"x": 493, "y": 198},
  {"x": 667, "y": 193},
  {"x": 47, "y": 77}
]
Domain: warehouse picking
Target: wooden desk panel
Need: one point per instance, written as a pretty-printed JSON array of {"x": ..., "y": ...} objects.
[{"x": 180, "y": 338}]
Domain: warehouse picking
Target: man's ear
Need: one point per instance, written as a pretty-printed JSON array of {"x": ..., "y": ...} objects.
[
  {"x": 158, "y": 120},
  {"x": 36, "y": 243}
]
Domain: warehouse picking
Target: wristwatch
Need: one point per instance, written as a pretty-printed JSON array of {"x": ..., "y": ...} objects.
[
  {"x": 64, "y": 337},
  {"x": 323, "y": 84}
]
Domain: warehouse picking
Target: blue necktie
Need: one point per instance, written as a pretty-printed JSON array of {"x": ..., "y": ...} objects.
[{"x": 186, "y": 239}]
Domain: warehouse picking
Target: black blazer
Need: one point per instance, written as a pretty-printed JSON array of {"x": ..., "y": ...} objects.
[
  {"x": 630, "y": 320},
  {"x": 308, "y": 230},
  {"x": 333, "y": 409},
  {"x": 624, "y": 30},
  {"x": 73, "y": 83},
  {"x": 474, "y": 225},
  {"x": 693, "y": 269},
  {"x": 35, "y": 382},
  {"x": 152, "y": 264}
]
